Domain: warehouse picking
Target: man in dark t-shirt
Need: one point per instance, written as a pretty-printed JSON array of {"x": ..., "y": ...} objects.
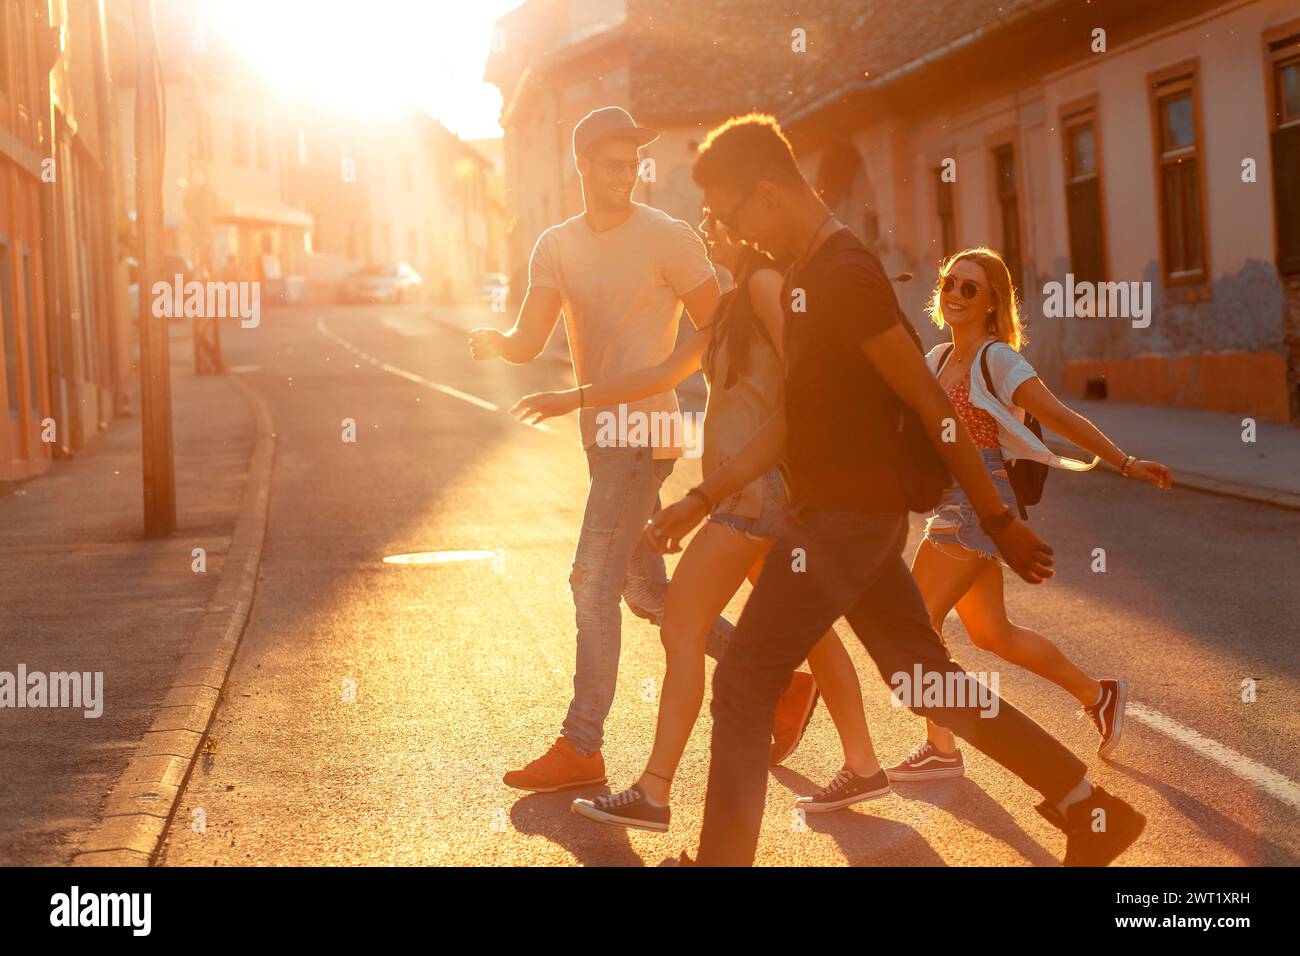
[
  {"x": 851, "y": 365},
  {"x": 833, "y": 392}
]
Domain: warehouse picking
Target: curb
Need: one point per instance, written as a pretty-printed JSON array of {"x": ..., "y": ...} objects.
[
  {"x": 142, "y": 803},
  {"x": 1205, "y": 484}
]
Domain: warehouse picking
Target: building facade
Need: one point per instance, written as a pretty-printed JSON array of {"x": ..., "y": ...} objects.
[
  {"x": 64, "y": 335},
  {"x": 1117, "y": 141},
  {"x": 1135, "y": 142}
]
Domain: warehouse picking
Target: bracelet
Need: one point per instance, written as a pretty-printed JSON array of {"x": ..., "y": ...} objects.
[
  {"x": 708, "y": 505},
  {"x": 1128, "y": 463}
]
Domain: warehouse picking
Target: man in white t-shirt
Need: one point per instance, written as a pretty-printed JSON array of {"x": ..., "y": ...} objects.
[{"x": 621, "y": 273}]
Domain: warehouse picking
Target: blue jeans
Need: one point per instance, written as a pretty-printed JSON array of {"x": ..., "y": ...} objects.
[
  {"x": 954, "y": 521},
  {"x": 852, "y": 565},
  {"x": 613, "y": 560}
]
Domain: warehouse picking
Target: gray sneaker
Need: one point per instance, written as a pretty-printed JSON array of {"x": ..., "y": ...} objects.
[
  {"x": 627, "y": 809},
  {"x": 845, "y": 790}
]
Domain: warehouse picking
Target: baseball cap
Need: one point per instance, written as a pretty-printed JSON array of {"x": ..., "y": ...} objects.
[{"x": 607, "y": 121}]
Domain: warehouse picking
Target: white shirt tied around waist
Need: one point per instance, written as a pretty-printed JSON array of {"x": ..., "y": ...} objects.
[{"x": 1008, "y": 370}]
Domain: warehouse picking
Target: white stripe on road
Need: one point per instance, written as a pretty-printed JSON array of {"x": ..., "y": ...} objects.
[
  {"x": 417, "y": 379},
  {"x": 1265, "y": 778}
]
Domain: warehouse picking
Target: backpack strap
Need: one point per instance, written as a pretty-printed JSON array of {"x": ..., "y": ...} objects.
[
  {"x": 984, "y": 367},
  {"x": 943, "y": 360}
]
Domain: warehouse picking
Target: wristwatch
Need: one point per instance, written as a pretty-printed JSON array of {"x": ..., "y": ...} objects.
[{"x": 997, "y": 523}]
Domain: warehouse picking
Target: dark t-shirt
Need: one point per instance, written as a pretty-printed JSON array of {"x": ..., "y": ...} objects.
[{"x": 840, "y": 414}]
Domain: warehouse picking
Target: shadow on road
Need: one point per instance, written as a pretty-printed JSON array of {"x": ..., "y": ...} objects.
[{"x": 593, "y": 844}]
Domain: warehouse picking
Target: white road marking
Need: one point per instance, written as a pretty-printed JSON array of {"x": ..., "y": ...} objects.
[
  {"x": 413, "y": 377},
  {"x": 1265, "y": 778}
]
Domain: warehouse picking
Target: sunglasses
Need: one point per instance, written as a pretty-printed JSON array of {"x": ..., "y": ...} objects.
[
  {"x": 726, "y": 220},
  {"x": 968, "y": 289}
]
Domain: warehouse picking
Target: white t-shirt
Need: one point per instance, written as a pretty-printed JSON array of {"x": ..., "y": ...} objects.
[
  {"x": 621, "y": 294},
  {"x": 1008, "y": 370}
]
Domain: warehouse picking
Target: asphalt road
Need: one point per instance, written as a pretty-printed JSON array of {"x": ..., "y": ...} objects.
[{"x": 459, "y": 671}]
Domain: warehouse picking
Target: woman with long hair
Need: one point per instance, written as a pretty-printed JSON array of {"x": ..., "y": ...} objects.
[
  {"x": 740, "y": 354},
  {"x": 992, "y": 388}
]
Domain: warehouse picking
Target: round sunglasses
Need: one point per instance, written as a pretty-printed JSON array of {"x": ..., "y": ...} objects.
[{"x": 968, "y": 289}]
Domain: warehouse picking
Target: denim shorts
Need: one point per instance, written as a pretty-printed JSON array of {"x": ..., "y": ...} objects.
[
  {"x": 771, "y": 520},
  {"x": 954, "y": 522}
]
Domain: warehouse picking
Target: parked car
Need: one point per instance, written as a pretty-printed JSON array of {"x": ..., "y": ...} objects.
[
  {"x": 490, "y": 282},
  {"x": 391, "y": 282}
]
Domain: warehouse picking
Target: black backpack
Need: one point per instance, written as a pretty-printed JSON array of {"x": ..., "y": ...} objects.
[{"x": 1026, "y": 475}]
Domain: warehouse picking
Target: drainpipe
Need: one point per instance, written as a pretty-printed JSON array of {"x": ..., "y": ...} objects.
[{"x": 118, "y": 326}]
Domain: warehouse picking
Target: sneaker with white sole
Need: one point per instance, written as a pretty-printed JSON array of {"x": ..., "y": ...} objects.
[
  {"x": 927, "y": 763},
  {"x": 845, "y": 790},
  {"x": 1107, "y": 715},
  {"x": 627, "y": 809}
]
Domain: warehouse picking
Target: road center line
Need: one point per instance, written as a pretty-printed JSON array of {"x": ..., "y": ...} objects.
[
  {"x": 1265, "y": 778},
  {"x": 413, "y": 377}
]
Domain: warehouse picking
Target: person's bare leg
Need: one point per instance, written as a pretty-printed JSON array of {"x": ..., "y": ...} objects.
[
  {"x": 837, "y": 682},
  {"x": 942, "y": 579},
  {"x": 983, "y": 611},
  {"x": 709, "y": 573}
]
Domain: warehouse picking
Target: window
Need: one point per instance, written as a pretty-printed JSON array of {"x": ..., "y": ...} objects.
[
  {"x": 1179, "y": 186},
  {"x": 1083, "y": 193},
  {"x": 1004, "y": 171},
  {"x": 1284, "y": 68},
  {"x": 9, "y": 328},
  {"x": 34, "y": 379},
  {"x": 263, "y": 149},
  {"x": 239, "y": 144},
  {"x": 947, "y": 220}
]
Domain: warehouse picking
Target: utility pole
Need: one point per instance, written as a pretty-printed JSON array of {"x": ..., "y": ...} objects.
[{"x": 155, "y": 352}]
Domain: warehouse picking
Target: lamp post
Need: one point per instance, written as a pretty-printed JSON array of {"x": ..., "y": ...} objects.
[{"x": 155, "y": 353}]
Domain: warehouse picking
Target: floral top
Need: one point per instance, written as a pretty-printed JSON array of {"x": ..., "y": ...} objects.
[{"x": 981, "y": 425}]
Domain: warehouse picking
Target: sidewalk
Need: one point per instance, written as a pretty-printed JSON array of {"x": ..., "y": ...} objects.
[
  {"x": 82, "y": 590},
  {"x": 1204, "y": 449}
]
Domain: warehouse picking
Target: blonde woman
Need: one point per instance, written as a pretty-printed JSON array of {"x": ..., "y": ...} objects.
[
  {"x": 741, "y": 358},
  {"x": 957, "y": 564}
]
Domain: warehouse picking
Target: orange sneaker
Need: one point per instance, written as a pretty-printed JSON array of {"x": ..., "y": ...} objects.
[
  {"x": 560, "y": 768},
  {"x": 793, "y": 712}
]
